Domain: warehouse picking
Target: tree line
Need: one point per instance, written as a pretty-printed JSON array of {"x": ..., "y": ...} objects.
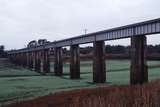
[
  {"x": 2, "y": 52},
  {"x": 119, "y": 49}
]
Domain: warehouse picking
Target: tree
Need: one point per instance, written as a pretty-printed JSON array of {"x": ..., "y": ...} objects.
[{"x": 1, "y": 47}]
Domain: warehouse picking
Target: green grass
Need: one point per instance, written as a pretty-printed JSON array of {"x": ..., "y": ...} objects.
[
  {"x": 10, "y": 70},
  {"x": 30, "y": 84}
]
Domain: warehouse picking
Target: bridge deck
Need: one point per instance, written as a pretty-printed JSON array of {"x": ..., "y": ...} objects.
[{"x": 142, "y": 28}]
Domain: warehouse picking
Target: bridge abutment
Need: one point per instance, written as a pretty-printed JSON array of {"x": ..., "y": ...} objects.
[
  {"x": 58, "y": 66},
  {"x": 75, "y": 62},
  {"x": 139, "y": 71},
  {"x": 99, "y": 67}
]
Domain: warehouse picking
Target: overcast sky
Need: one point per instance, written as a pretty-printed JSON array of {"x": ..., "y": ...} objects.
[{"x": 24, "y": 20}]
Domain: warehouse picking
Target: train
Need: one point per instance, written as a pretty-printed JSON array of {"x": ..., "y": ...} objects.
[{"x": 35, "y": 43}]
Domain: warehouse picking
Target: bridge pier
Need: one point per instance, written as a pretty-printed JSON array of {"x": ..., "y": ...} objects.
[
  {"x": 58, "y": 66},
  {"x": 42, "y": 61},
  {"x": 34, "y": 61},
  {"x": 14, "y": 58},
  {"x": 46, "y": 61},
  {"x": 21, "y": 59},
  {"x": 30, "y": 60},
  {"x": 74, "y": 62},
  {"x": 24, "y": 59},
  {"x": 51, "y": 60},
  {"x": 18, "y": 59},
  {"x": 37, "y": 67},
  {"x": 99, "y": 67},
  {"x": 27, "y": 59},
  {"x": 139, "y": 72}
]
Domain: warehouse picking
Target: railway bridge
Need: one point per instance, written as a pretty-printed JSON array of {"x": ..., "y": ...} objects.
[{"x": 41, "y": 57}]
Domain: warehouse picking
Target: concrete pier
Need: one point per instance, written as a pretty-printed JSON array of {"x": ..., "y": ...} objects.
[
  {"x": 51, "y": 60},
  {"x": 139, "y": 72},
  {"x": 75, "y": 62},
  {"x": 99, "y": 68},
  {"x": 34, "y": 60},
  {"x": 37, "y": 61},
  {"x": 27, "y": 58},
  {"x": 46, "y": 61},
  {"x": 31, "y": 60},
  {"x": 58, "y": 66},
  {"x": 42, "y": 61}
]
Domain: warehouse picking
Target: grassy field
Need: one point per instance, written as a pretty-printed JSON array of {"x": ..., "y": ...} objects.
[{"x": 18, "y": 83}]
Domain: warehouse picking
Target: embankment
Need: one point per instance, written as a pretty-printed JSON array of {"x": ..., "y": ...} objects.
[{"x": 147, "y": 95}]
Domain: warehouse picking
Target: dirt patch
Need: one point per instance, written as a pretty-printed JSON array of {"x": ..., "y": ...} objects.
[{"x": 147, "y": 95}]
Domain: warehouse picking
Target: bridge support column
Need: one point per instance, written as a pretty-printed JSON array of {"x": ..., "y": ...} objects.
[
  {"x": 51, "y": 60},
  {"x": 75, "y": 62},
  {"x": 42, "y": 62},
  {"x": 99, "y": 67},
  {"x": 21, "y": 59},
  {"x": 27, "y": 62},
  {"x": 15, "y": 59},
  {"x": 34, "y": 61},
  {"x": 30, "y": 60},
  {"x": 37, "y": 61},
  {"x": 24, "y": 60},
  {"x": 58, "y": 66},
  {"x": 46, "y": 61},
  {"x": 18, "y": 60},
  {"x": 139, "y": 72}
]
